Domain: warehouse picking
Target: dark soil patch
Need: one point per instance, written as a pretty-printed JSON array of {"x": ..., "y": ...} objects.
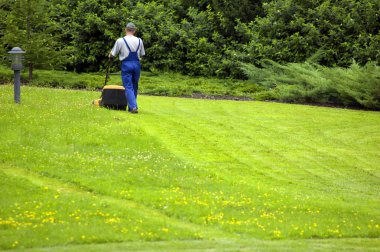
[
  {"x": 217, "y": 97},
  {"x": 326, "y": 105}
]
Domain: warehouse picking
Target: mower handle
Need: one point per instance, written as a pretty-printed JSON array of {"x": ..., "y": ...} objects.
[{"x": 107, "y": 72}]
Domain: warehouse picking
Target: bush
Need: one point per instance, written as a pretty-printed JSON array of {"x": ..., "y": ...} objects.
[
  {"x": 358, "y": 85},
  {"x": 313, "y": 83}
]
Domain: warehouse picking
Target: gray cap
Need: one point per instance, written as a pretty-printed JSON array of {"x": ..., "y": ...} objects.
[{"x": 131, "y": 26}]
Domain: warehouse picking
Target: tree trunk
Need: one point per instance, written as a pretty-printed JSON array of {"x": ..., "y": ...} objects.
[
  {"x": 30, "y": 71},
  {"x": 28, "y": 31}
]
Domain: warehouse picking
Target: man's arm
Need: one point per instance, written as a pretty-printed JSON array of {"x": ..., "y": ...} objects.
[{"x": 115, "y": 50}]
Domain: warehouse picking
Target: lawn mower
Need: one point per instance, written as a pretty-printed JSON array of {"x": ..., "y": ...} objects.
[{"x": 113, "y": 96}]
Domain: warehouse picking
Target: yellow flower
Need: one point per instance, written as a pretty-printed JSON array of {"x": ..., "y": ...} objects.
[
  {"x": 277, "y": 233},
  {"x": 112, "y": 220}
]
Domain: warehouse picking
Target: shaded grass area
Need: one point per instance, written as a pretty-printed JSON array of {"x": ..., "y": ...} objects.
[
  {"x": 172, "y": 84},
  {"x": 186, "y": 169},
  {"x": 57, "y": 79},
  {"x": 161, "y": 84}
]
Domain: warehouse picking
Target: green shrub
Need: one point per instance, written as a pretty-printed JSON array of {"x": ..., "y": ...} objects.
[
  {"x": 357, "y": 84},
  {"x": 292, "y": 31},
  {"x": 312, "y": 83},
  {"x": 56, "y": 79}
]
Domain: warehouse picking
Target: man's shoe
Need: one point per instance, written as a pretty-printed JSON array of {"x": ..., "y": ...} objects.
[{"x": 134, "y": 111}]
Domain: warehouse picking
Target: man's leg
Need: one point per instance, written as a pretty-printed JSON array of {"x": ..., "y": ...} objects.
[
  {"x": 129, "y": 91},
  {"x": 136, "y": 77}
]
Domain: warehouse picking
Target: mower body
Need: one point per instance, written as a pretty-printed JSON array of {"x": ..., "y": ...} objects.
[{"x": 113, "y": 97}]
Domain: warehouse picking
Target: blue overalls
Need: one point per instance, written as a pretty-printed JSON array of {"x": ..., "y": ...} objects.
[{"x": 130, "y": 75}]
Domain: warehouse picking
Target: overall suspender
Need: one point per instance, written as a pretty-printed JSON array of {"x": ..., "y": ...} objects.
[{"x": 130, "y": 48}]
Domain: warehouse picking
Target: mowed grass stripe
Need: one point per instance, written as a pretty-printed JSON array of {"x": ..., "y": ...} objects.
[
  {"x": 146, "y": 213},
  {"x": 317, "y": 153},
  {"x": 337, "y": 173},
  {"x": 35, "y": 216},
  {"x": 291, "y": 148}
]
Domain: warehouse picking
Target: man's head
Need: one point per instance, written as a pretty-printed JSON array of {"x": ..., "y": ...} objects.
[{"x": 130, "y": 27}]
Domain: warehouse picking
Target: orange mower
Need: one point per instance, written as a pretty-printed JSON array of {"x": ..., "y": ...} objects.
[{"x": 113, "y": 96}]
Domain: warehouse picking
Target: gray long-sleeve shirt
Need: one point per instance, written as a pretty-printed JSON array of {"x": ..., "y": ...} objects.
[{"x": 121, "y": 49}]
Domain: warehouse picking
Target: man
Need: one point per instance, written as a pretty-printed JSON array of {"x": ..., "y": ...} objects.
[{"x": 130, "y": 50}]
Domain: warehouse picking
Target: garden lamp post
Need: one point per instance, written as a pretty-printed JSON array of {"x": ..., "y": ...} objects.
[{"x": 16, "y": 55}]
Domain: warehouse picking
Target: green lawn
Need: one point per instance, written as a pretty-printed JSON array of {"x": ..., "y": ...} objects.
[{"x": 185, "y": 174}]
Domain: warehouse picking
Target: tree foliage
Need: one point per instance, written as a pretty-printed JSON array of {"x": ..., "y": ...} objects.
[
  {"x": 293, "y": 30},
  {"x": 207, "y": 37},
  {"x": 27, "y": 24}
]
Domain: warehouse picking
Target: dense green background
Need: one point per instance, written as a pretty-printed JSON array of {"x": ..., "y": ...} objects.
[{"x": 208, "y": 37}]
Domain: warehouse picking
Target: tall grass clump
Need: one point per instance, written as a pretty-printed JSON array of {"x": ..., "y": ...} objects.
[
  {"x": 307, "y": 82},
  {"x": 56, "y": 79}
]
